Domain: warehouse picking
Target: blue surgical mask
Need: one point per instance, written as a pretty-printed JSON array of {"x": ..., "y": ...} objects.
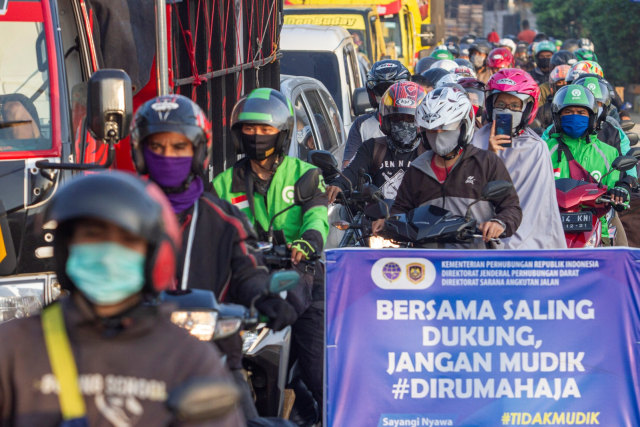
[
  {"x": 106, "y": 273},
  {"x": 574, "y": 125}
]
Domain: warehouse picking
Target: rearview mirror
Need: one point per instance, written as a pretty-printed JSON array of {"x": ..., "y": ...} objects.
[
  {"x": 283, "y": 280},
  {"x": 109, "y": 105},
  {"x": 624, "y": 163},
  {"x": 203, "y": 399},
  {"x": 427, "y": 34},
  {"x": 325, "y": 161},
  {"x": 305, "y": 188},
  {"x": 627, "y": 125},
  {"x": 360, "y": 102},
  {"x": 633, "y": 138},
  {"x": 634, "y": 152},
  {"x": 496, "y": 190}
]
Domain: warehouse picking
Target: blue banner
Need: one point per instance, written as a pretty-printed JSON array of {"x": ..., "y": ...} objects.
[{"x": 482, "y": 338}]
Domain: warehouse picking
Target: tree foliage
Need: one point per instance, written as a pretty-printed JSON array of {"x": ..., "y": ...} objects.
[{"x": 612, "y": 25}]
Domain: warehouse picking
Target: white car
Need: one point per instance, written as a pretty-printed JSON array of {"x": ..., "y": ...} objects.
[{"x": 327, "y": 54}]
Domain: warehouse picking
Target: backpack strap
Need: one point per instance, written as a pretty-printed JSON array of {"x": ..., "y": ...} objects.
[
  {"x": 62, "y": 362},
  {"x": 379, "y": 151}
]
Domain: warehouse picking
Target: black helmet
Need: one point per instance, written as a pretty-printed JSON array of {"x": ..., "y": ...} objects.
[
  {"x": 424, "y": 64},
  {"x": 122, "y": 199},
  {"x": 570, "y": 45},
  {"x": 433, "y": 75},
  {"x": 451, "y": 40},
  {"x": 172, "y": 113},
  {"x": 464, "y": 62},
  {"x": 382, "y": 75},
  {"x": 468, "y": 39},
  {"x": 540, "y": 37},
  {"x": 563, "y": 57},
  {"x": 463, "y": 49},
  {"x": 578, "y": 96},
  {"x": 263, "y": 106},
  {"x": 480, "y": 46}
]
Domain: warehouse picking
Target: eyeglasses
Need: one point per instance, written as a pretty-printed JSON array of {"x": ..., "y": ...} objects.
[{"x": 514, "y": 106}]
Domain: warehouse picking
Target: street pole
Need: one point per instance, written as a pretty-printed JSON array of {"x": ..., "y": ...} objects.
[{"x": 162, "y": 65}]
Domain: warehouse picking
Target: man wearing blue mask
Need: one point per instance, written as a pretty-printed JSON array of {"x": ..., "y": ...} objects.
[
  {"x": 100, "y": 356},
  {"x": 576, "y": 152},
  {"x": 171, "y": 142}
]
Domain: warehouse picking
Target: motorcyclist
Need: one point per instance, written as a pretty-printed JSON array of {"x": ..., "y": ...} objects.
[
  {"x": 114, "y": 247},
  {"x": 561, "y": 57},
  {"x": 261, "y": 184},
  {"x": 478, "y": 53},
  {"x": 522, "y": 58},
  {"x": 381, "y": 75},
  {"x": 542, "y": 55},
  {"x": 583, "y": 67},
  {"x": 475, "y": 91},
  {"x": 514, "y": 92},
  {"x": 441, "y": 52},
  {"x": 171, "y": 142},
  {"x": 386, "y": 159},
  {"x": 452, "y": 172},
  {"x": 499, "y": 58},
  {"x": 576, "y": 152},
  {"x": 583, "y": 54},
  {"x": 556, "y": 81}
]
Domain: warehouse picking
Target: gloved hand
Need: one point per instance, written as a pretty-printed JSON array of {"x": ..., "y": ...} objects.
[
  {"x": 279, "y": 312},
  {"x": 620, "y": 196},
  {"x": 301, "y": 249}
]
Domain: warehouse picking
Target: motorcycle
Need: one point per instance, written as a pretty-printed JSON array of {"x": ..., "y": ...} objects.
[
  {"x": 582, "y": 205},
  {"x": 429, "y": 226},
  {"x": 361, "y": 205}
]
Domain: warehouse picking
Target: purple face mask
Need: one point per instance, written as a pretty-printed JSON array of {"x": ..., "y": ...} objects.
[{"x": 172, "y": 172}]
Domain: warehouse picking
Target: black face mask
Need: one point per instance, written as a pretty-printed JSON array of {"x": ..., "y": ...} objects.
[
  {"x": 404, "y": 135},
  {"x": 544, "y": 63},
  {"x": 259, "y": 147}
]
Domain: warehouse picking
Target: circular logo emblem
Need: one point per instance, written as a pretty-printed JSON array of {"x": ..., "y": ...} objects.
[
  {"x": 287, "y": 194},
  {"x": 404, "y": 102},
  {"x": 591, "y": 87},
  {"x": 498, "y": 56},
  {"x": 391, "y": 271},
  {"x": 596, "y": 175},
  {"x": 576, "y": 92}
]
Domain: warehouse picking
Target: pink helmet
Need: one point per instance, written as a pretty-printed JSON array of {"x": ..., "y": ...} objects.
[
  {"x": 516, "y": 82},
  {"x": 500, "y": 57}
]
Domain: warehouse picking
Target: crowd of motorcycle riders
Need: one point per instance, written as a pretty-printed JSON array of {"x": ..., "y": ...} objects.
[{"x": 432, "y": 139}]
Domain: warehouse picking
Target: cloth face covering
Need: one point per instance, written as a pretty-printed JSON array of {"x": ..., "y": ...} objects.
[
  {"x": 477, "y": 61},
  {"x": 106, "y": 273},
  {"x": 171, "y": 173},
  {"x": 574, "y": 125},
  {"x": 404, "y": 134},
  {"x": 443, "y": 143},
  {"x": 516, "y": 117},
  {"x": 259, "y": 147}
]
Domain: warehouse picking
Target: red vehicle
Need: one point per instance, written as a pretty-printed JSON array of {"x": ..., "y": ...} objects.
[
  {"x": 49, "y": 51},
  {"x": 582, "y": 205}
]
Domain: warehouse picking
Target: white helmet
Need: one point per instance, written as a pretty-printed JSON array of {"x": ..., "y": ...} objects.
[
  {"x": 447, "y": 108},
  {"x": 448, "y": 79},
  {"x": 507, "y": 43},
  {"x": 585, "y": 43},
  {"x": 447, "y": 64}
]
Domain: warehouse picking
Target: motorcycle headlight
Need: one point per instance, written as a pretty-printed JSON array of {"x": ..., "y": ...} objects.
[
  {"x": 17, "y": 301},
  {"x": 591, "y": 243},
  {"x": 377, "y": 242},
  {"x": 227, "y": 327},
  {"x": 200, "y": 324}
]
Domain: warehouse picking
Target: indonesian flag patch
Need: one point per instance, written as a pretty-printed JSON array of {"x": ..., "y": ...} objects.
[
  {"x": 240, "y": 202},
  {"x": 556, "y": 174}
]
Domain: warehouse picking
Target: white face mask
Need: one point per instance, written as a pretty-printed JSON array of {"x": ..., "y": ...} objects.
[
  {"x": 516, "y": 117},
  {"x": 443, "y": 143}
]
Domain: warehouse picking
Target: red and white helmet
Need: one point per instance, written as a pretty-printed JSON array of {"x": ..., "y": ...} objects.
[
  {"x": 447, "y": 108},
  {"x": 500, "y": 57},
  {"x": 516, "y": 82}
]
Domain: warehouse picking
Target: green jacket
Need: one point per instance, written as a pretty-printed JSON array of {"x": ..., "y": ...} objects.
[
  {"x": 309, "y": 221},
  {"x": 596, "y": 157}
]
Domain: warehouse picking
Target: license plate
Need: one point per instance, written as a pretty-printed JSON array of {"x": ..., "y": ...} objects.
[{"x": 576, "y": 221}]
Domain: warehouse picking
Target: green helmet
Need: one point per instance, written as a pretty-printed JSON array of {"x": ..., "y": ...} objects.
[
  {"x": 574, "y": 96},
  {"x": 585, "y": 55},
  {"x": 263, "y": 106},
  {"x": 442, "y": 54},
  {"x": 545, "y": 46},
  {"x": 600, "y": 91}
]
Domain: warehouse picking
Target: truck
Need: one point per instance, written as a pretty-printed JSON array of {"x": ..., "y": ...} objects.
[{"x": 50, "y": 51}]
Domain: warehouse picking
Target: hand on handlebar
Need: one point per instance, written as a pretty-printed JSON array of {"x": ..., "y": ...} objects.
[
  {"x": 301, "y": 250},
  {"x": 490, "y": 230},
  {"x": 619, "y": 198},
  {"x": 332, "y": 192},
  {"x": 279, "y": 312},
  {"x": 377, "y": 226}
]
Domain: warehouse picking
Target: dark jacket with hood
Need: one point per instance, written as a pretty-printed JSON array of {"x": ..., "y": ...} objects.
[
  {"x": 473, "y": 170},
  {"x": 126, "y": 368}
]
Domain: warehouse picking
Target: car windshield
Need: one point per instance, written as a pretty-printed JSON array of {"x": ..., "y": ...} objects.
[
  {"x": 25, "y": 111},
  {"x": 319, "y": 65}
]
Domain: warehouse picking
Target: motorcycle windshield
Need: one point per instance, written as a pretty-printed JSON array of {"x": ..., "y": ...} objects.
[
  {"x": 567, "y": 184},
  {"x": 25, "y": 107}
]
